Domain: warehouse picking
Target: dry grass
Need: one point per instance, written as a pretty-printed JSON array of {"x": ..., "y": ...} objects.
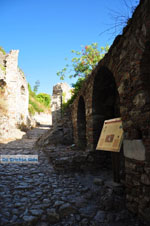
[{"x": 3, "y": 107}]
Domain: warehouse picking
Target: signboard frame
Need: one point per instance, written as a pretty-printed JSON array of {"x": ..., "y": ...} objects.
[{"x": 111, "y": 136}]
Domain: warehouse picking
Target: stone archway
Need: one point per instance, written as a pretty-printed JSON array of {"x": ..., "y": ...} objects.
[
  {"x": 81, "y": 123},
  {"x": 105, "y": 101},
  {"x": 105, "y": 106}
]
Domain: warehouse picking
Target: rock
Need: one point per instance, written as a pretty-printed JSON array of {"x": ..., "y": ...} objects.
[
  {"x": 59, "y": 190},
  {"x": 4, "y": 221},
  {"x": 66, "y": 209},
  {"x": 46, "y": 201},
  {"x": 77, "y": 216},
  {"x": 42, "y": 224},
  {"x": 58, "y": 203},
  {"x": 29, "y": 218},
  {"x": 80, "y": 202},
  {"x": 98, "y": 181},
  {"x": 15, "y": 211},
  {"x": 84, "y": 222},
  {"x": 14, "y": 218},
  {"x": 18, "y": 204},
  {"x": 36, "y": 212},
  {"x": 58, "y": 198},
  {"x": 110, "y": 217},
  {"x": 87, "y": 211},
  {"x": 57, "y": 135},
  {"x": 53, "y": 217},
  {"x": 100, "y": 216},
  {"x": 145, "y": 179}
]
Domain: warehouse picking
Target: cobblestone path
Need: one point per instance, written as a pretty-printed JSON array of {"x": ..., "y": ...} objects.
[{"x": 34, "y": 194}]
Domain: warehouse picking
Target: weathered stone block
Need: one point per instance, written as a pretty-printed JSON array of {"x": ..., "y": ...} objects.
[
  {"x": 134, "y": 149},
  {"x": 139, "y": 99},
  {"x": 145, "y": 179}
]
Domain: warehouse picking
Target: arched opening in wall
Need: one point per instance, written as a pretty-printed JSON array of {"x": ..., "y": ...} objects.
[
  {"x": 105, "y": 106},
  {"x": 22, "y": 90},
  {"x": 81, "y": 123},
  {"x": 142, "y": 98},
  {"x": 105, "y": 101}
]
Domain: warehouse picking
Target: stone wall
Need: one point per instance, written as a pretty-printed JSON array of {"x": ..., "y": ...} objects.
[
  {"x": 61, "y": 93},
  {"x": 119, "y": 87},
  {"x": 14, "y": 95},
  {"x": 59, "y": 133}
]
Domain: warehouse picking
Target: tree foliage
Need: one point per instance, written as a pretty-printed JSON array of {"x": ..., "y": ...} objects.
[
  {"x": 84, "y": 61},
  {"x": 81, "y": 66}
]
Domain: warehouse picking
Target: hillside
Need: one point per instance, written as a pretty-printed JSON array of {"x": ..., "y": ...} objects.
[{"x": 38, "y": 102}]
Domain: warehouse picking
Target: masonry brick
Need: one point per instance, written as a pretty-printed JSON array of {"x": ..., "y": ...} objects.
[{"x": 119, "y": 86}]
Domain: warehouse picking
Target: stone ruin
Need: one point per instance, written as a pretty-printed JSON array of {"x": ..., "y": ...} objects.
[
  {"x": 61, "y": 131},
  {"x": 120, "y": 87},
  {"x": 61, "y": 93},
  {"x": 14, "y": 96}
]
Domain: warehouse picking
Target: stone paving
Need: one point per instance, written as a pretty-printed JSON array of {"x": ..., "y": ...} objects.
[{"x": 36, "y": 194}]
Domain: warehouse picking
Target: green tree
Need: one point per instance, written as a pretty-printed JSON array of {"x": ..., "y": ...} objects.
[
  {"x": 36, "y": 86},
  {"x": 84, "y": 61},
  {"x": 81, "y": 66}
]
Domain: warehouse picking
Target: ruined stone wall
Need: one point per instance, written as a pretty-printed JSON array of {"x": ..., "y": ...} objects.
[
  {"x": 119, "y": 87},
  {"x": 61, "y": 93},
  {"x": 14, "y": 94}
]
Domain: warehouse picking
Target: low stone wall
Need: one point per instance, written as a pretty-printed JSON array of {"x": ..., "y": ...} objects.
[{"x": 60, "y": 133}]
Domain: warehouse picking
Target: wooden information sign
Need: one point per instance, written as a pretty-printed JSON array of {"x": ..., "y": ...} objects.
[{"x": 111, "y": 136}]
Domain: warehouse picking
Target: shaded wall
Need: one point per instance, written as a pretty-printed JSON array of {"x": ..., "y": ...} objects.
[
  {"x": 81, "y": 123},
  {"x": 127, "y": 66}
]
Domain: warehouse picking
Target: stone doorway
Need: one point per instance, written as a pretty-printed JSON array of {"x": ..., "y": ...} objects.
[
  {"x": 105, "y": 106},
  {"x": 81, "y": 122},
  {"x": 105, "y": 101}
]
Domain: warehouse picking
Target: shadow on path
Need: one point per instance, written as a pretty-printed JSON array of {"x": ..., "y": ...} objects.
[{"x": 28, "y": 139}]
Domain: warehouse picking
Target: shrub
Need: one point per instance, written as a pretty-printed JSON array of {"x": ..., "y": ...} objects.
[
  {"x": 44, "y": 99},
  {"x": 3, "y": 68},
  {"x": 38, "y": 103},
  {"x": 2, "y": 50}
]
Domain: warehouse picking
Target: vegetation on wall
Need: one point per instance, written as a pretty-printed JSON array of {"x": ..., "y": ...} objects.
[
  {"x": 2, "y": 50},
  {"x": 2, "y": 68},
  {"x": 38, "y": 102}
]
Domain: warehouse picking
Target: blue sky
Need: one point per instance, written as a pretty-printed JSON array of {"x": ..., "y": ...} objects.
[{"x": 45, "y": 32}]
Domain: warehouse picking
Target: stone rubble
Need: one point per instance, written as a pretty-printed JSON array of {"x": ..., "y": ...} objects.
[
  {"x": 37, "y": 194},
  {"x": 60, "y": 133}
]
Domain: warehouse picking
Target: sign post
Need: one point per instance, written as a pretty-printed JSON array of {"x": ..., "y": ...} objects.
[{"x": 111, "y": 139}]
